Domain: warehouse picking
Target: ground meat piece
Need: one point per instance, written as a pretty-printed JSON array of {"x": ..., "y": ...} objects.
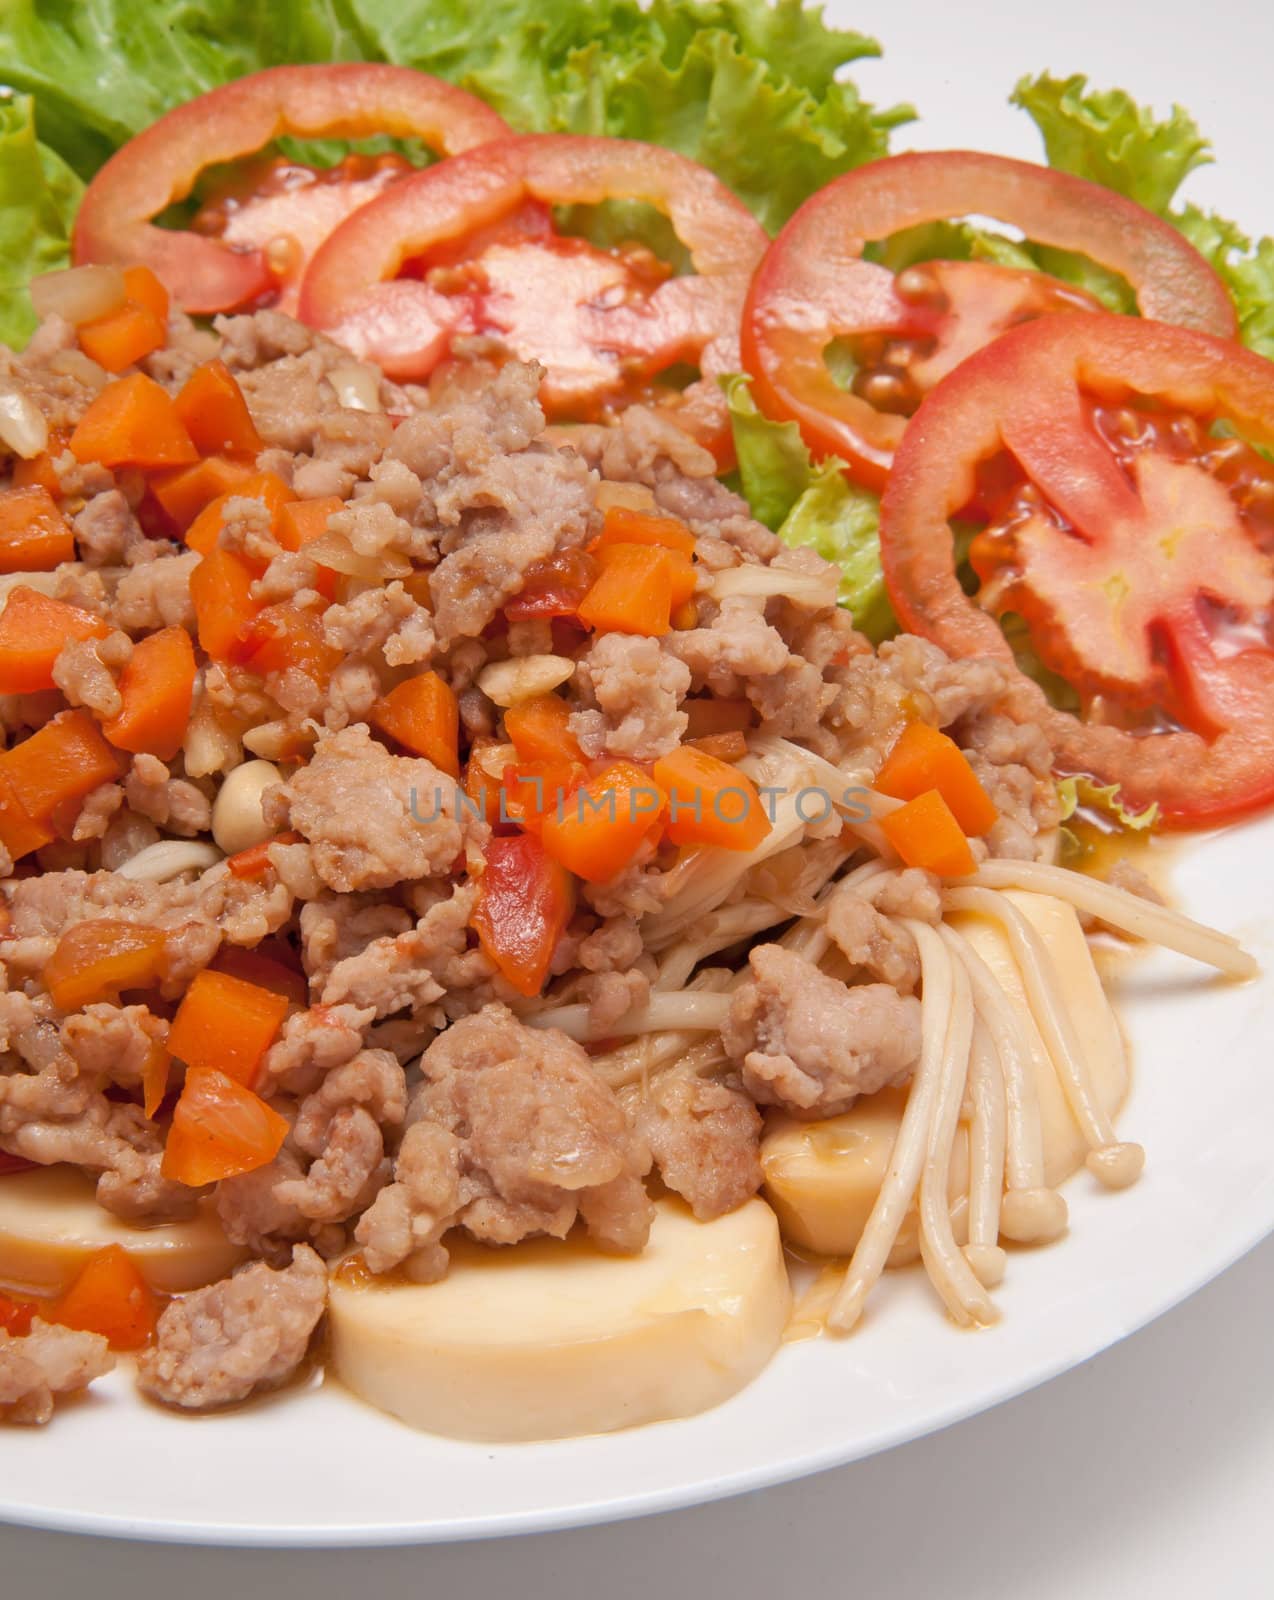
[
  {"x": 253, "y": 1215},
  {"x": 637, "y": 688},
  {"x": 873, "y": 942},
  {"x": 946, "y": 690},
  {"x": 1132, "y": 880},
  {"x": 417, "y": 967},
  {"x": 248, "y": 1332},
  {"x": 312, "y": 1044},
  {"x": 156, "y": 594},
  {"x": 737, "y": 644},
  {"x": 48, "y": 1362},
  {"x": 1014, "y": 763},
  {"x": 612, "y": 995},
  {"x": 503, "y": 500},
  {"x": 100, "y": 805},
  {"x": 614, "y": 947},
  {"x": 372, "y": 819},
  {"x": 85, "y": 672},
  {"x": 644, "y": 443},
  {"x": 113, "y": 1043},
  {"x": 807, "y": 1042},
  {"x": 705, "y": 1136},
  {"x": 386, "y": 621},
  {"x": 106, "y": 530},
  {"x": 335, "y": 927},
  {"x": 174, "y": 804},
  {"x": 791, "y": 702},
  {"x": 348, "y": 1171},
  {"x": 340, "y": 1126},
  {"x": 520, "y": 1134}
]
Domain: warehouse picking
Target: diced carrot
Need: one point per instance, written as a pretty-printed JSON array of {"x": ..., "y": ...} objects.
[
  {"x": 33, "y": 629},
  {"x": 226, "y": 1023},
  {"x": 253, "y": 966},
  {"x": 254, "y": 862},
  {"x": 708, "y": 716},
  {"x": 143, "y": 288},
  {"x": 155, "y": 1078},
  {"x": 285, "y": 638},
  {"x": 212, "y": 407},
  {"x": 540, "y": 730},
  {"x": 922, "y": 759},
  {"x": 123, "y": 338},
  {"x": 926, "y": 834},
  {"x": 710, "y": 802},
  {"x": 423, "y": 715},
  {"x": 219, "y": 1130},
  {"x": 221, "y": 592},
  {"x": 34, "y": 535},
  {"x": 625, "y": 526},
  {"x": 681, "y": 570},
  {"x": 600, "y": 828},
  {"x": 633, "y": 592},
  {"x": 685, "y": 616},
  {"x": 133, "y": 423},
  {"x": 97, "y": 960},
  {"x": 16, "y": 1316},
  {"x": 60, "y": 763},
  {"x": 109, "y": 1297},
  {"x": 725, "y": 746},
  {"x": 157, "y": 687},
  {"x": 529, "y": 790},
  {"x": 203, "y": 533},
  {"x": 20, "y": 833},
  {"x": 185, "y": 491},
  {"x": 525, "y": 900},
  {"x": 38, "y": 472},
  {"x": 300, "y": 522}
]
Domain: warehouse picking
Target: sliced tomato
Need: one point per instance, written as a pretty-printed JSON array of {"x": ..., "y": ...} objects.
[
  {"x": 601, "y": 321},
  {"x": 1132, "y": 537},
  {"x": 907, "y": 332},
  {"x": 349, "y": 100},
  {"x": 525, "y": 900},
  {"x": 283, "y": 210}
]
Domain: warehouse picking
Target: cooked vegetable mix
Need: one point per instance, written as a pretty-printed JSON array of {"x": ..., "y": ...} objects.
[{"x": 441, "y": 818}]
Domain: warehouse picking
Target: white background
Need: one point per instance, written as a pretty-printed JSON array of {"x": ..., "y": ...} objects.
[{"x": 1148, "y": 1471}]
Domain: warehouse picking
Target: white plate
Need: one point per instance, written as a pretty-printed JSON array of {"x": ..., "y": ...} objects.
[{"x": 315, "y": 1468}]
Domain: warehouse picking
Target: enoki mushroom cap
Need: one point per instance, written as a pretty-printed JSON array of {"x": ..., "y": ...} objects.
[
  {"x": 1116, "y": 1165},
  {"x": 1033, "y": 1216},
  {"x": 988, "y": 1263}
]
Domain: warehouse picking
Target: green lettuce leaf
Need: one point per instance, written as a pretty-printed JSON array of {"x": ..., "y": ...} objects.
[
  {"x": 1105, "y": 136},
  {"x": 38, "y": 197},
  {"x": 811, "y": 505},
  {"x": 774, "y": 466},
  {"x": 1081, "y": 790}
]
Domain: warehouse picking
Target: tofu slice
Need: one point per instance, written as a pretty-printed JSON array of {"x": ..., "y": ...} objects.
[
  {"x": 553, "y": 1339},
  {"x": 50, "y": 1224}
]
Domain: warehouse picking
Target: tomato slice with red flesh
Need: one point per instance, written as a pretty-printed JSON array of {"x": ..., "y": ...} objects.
[
  {"x": 283, "y": 210},
  {"x": 1138, "y": 548},
  {"x": 348, "y": 100},
  {"x": 907, "y": 332},
  {"x": 601, "y": 321}
]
